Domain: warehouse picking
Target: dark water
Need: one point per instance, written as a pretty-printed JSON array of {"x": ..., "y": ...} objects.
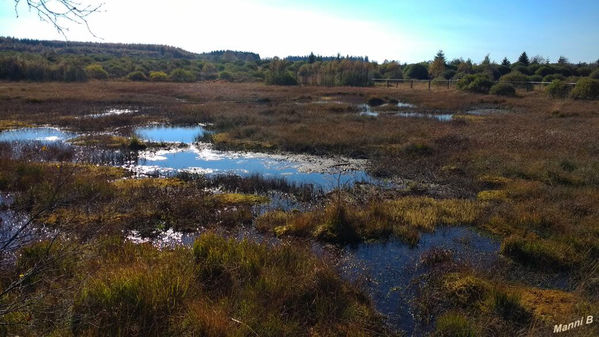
[
  {"x": 367, "y": 110},
  {"x": 387, "y": 268}
]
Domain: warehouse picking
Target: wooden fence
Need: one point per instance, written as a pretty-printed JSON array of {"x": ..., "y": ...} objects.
[{"x": 389, "y": 82}]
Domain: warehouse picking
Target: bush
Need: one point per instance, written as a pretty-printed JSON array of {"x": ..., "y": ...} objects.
[
  {"x": 280, "y": 78},
  {"x": 558, "y": 89},
  {"x": 453, "y": 324},
  {"x": 535, "y": 78},
  {"x": 158, "y": 76},
  {"x": 96, "y": 71},
  {"x": 553, "y": 77},
  {"x": 521, "y": 69},
  {"x": 544, "y": 71},
  {"x": 595, "y": 74},
  {"x": 181, "y": 75},
  {"x": 137, "y": 76},
  {"x": 439, "y": 81},
  {"x": 503, "y": 89},
  {"x": 475, "y": 83},
  {"x": 225, "y": 76},
  {"x": 586, "y": 88},
  {"x": 448, "y": 74},
  {"x": 417, "y": 72},
  {"x": 518, "y": 79}
]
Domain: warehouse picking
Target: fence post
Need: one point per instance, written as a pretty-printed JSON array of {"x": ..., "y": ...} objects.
[
  {"x": 429, "y": 84},
  {"x": 411, "y": 83},
  {"x": 448, "y": 83},
  {"x": 387, "y": 83},
  {"x": 397, "y": 84}
]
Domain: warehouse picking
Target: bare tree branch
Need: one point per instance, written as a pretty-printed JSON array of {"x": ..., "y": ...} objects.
[{"x": 56, "y": 12}]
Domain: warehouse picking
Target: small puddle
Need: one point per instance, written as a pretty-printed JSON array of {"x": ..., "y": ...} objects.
[
  {"x": 388, "y": 268},
  {"x": 366, "y": 110},
  {"x": 405, "y": 105},
  {"x": 482, "y": 112},
  {"x": 39, "y": 134},
  {"x": 439, "y": 117},
  {"x": 171, "y": 134},
  {"x": 112, "y": 112}
]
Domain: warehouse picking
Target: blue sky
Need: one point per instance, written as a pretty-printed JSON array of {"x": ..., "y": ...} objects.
[{"x": 408, "y": 31}]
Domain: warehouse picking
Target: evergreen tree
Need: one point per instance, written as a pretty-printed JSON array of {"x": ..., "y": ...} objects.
[
  {"x": 523, "y": 59},
  {"x": 311, "y": 58},
  {"x": 505, "y": 62},
  {"x": 438, "y": 66}
]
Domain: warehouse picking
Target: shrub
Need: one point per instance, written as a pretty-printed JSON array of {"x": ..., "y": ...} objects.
[
  {"x": 521, "y": 69},
  {"x": 181, "y": 75},
  {"x": 439, "y": 81},
  {"x": 96, "y": 71},
  {"x": 544, "y": 71},
  {"x": 586, "y": 88},
  {"x": 225, "y": 76},
  {"x": 417, "y": 71},
  {"x": 535, "y": 78},
  {"x": 280, "y": 78},
  {"x": 158, "y": 76},
  {"x": 595, "y": 74},
  {"x": 518, "y": 79},
  {"x": 552, "y": 77},
  {"x": 448, "y": 74},
  {"x": 137, "y": 76},
  {"x": 584, "y": 71},
  {"x": 558, "y": 89},
  {"x": 475, "y": 83},
  {"x": 503, "y": 89},
  {"x": 453, "y": 324}
]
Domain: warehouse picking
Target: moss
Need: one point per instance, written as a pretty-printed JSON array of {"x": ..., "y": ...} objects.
[
  {"x": 552, "y": 305},
  {"x": 13, "y": 124},
  {"x": 238, "y": 198},
  {"x": 105, "y": 141},
  {"x": 492, "y": 195},
  {"x": 127, "y": 184},
  {"x": 466, "y": 290},
  {"x": 225, "y": 141},
  {"x": 540, "y": 253}
]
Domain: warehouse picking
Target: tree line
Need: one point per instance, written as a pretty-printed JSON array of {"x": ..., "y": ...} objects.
[{"x": 34, "y": 60}]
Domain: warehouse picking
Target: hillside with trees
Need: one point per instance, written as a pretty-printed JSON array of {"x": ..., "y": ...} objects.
[{"x": 36, "y": 60}]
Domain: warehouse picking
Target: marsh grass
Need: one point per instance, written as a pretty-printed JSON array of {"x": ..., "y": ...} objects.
[
  {"x": 220, "y": 287},
  {"x": 403, "y": 218}
]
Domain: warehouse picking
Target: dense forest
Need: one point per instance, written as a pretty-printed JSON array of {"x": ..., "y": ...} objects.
[{"x": 34, "y": 60}]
